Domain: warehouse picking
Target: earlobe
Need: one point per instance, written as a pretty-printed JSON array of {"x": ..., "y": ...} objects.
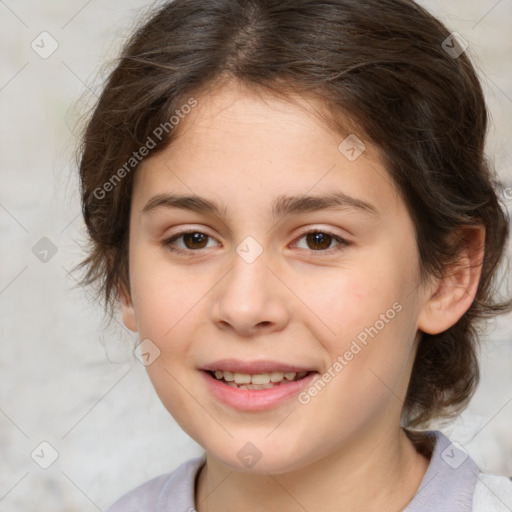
[
  {"x": 128, "y": 311},
  {"x": 456, "y": 290}
]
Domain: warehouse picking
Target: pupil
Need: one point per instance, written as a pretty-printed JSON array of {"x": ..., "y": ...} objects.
[
  {"x": 322, "y": 240},
  {"x": 197, "y": 240}
]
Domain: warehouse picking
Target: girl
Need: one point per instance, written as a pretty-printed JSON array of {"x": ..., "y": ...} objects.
[{"x": 290, "y": 202}]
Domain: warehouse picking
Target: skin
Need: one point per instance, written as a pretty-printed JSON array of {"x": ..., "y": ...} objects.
[{"x": 295, "y": 303}]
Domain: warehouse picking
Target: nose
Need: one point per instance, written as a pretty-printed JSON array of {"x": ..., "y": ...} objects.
[{"x": 251, "y": 300}]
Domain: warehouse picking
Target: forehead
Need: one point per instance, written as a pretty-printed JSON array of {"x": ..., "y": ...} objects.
[{"x": 245, "y": 147}]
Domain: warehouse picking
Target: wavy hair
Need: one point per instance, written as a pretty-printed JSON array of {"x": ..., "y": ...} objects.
[{"x": 386, "y": 66}]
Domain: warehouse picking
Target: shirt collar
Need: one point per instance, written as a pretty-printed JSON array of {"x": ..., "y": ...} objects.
[{"x": 449, "y": 482}]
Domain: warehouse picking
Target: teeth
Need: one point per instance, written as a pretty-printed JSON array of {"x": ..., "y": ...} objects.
[
  {"x": 255, "y": 386},
  {"x": 228, "y": 376},
  {"x": 276, "y": 376},
  {"x": 240, "y": 378},
  {"x": 258, "y": 380}
]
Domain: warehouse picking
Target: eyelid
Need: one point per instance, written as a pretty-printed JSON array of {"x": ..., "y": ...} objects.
[
  {"x": 342, "y": 242},
  {"x": 167, "y": 242},
  {"x": 192, "y": 229}
]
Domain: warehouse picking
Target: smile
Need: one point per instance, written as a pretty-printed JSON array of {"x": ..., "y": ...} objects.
[
  {"x": 254, "y": 392},
  {"x": 257, "y": 381}
]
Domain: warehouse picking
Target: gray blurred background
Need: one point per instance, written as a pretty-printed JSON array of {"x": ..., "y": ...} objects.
[{"x": 68, "y": 382}]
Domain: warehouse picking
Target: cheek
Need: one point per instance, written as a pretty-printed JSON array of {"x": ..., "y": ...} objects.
[
  {"x": 344, "y": 301},
  {"x": 163, "y": 294},
  {"x": 366, "y": 315},
  {"x": 167, "y": 308},
  {"x": 369, "y": 356}
]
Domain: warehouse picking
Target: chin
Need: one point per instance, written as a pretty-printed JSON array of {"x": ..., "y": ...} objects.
[{"x": 257, "y": 457}]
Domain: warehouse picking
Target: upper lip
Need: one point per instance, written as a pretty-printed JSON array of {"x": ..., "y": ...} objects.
[{"x": 253, "y": 367}]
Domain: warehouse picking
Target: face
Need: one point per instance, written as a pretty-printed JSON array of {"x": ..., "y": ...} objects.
[{"x": 293, "y": 257}]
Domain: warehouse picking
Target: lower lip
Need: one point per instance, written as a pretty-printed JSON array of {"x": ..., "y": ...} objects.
[{"x": 256, "y": 399}]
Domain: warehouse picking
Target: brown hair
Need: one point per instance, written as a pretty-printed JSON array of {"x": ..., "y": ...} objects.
[{"x": 382, "y": 64}]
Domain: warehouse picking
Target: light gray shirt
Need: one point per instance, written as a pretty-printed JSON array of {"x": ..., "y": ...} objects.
[{"x": 452, "y": 483}]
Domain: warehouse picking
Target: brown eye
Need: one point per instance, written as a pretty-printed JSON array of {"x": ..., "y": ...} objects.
[
  {"x": 321, "y": 241},
  {"x": 318, "y": 240},
  {"x": 195, "y": 240},
  {"x": 191, "y": 241}
]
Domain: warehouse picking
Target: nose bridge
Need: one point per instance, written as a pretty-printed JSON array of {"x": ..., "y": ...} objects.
[
  {"x": 247, "y": 288},
  {"x": 249, "y": 299}
]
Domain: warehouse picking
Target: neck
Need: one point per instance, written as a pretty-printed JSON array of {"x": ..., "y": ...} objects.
[{"x": 365, "y": 477}]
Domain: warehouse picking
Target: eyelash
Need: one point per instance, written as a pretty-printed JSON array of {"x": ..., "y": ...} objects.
[{"x": 342, "y": 243}]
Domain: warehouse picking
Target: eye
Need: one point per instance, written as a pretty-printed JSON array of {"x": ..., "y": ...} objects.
[
  {"x": 191, "y": 241},
  {"x": 321, "y": 241}
]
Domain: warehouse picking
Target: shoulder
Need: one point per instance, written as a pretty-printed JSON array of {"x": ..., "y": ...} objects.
[
  {"x": 175, "y": 489},
  {"x": 453, "y": 480},
  {"x": 142, "y": 498},
  {"x": 493, "y": 493}
]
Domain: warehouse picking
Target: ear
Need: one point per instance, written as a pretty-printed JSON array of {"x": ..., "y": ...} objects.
[
  {"x": 452, "y": 295},
  {"x": 127, "y": 310}
]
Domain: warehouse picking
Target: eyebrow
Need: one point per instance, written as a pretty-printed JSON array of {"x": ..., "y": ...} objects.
[{"x": 283, "y": 205}]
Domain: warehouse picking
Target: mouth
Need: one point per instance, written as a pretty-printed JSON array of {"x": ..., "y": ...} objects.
[
  {"x": 257, "y": 385},
  {"x": 257, "y": 381}
]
